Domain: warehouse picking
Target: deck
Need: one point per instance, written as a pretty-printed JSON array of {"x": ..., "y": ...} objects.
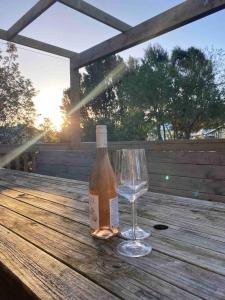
[{"x": 46, "y": 250}]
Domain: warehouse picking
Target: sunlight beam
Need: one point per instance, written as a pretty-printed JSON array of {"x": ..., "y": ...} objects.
[
  {"x": 115, "y": 75},
  {"x": 6, "y": 159}
]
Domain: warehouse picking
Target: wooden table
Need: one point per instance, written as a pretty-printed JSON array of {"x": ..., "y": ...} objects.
[{"x": 46, "y": 250}]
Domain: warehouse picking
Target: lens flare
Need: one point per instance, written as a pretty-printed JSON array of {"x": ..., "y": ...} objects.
[
  {"x": 6, "y": 159},
  {"x": 115, "y": 75}
]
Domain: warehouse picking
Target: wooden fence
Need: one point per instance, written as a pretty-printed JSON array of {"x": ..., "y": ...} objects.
[
  {"x": 186, "y": 168},
  {"x": 23, "y": 162}
]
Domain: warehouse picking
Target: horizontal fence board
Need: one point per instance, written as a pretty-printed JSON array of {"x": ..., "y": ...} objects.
[
  {"x": 172, "y": 145},
  {"x": 65, "y": 171},
  {"x": 187, "y": 170},
  {"x": 188, "y": 157},
  {"x": 195, "y": 168},
  {"x": 66, "y": 157},
  {"x": 195, "y": 185},
  {"x": 177, "y": 145},
  {"x": 185, "y": 193}
]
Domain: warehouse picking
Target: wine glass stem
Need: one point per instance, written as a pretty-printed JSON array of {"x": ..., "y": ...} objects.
[{"x": 134, "y": 219}]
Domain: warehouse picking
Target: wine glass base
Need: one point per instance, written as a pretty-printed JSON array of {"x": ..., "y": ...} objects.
[
  {"x": 134, "y": 248},
  {"x": 139, "y": 233}
]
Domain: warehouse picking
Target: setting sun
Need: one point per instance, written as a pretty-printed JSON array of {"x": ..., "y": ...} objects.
[{"x": 47, "y": 104}]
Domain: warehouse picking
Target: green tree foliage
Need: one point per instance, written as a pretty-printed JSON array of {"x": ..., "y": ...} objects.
[
  {"x": 148, "y": 86},
  {"x": 196, "y": 102},
  {"x": 102, "y": 109},
  {"x": 16, "y": 93},
  {"x": 65, "y": 109},
  {"x": 180, "y": 91},
  {"x": 161, "y": 96},
  {"x": 104, "y": 104}
]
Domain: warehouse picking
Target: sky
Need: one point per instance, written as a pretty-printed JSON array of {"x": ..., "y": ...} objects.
[{"x": 64, "y": 27}]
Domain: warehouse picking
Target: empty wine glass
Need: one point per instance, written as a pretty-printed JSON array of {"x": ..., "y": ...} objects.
[
  {"x": 128, "y": 232},
  {"x": 131, "y": 173}
]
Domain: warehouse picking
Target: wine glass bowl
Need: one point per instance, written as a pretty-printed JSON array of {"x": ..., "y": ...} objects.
[{"x": 132, "y": 192}]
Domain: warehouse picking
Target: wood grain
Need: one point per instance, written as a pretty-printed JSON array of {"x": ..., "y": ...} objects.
[
  {"x": 176, "y": 17},
  {"x": 51, "y": 214},
  {"x": 97, "y": 14},
  {"x": 35, "y": 44},
  {"x": 88, "y": 261},
  {"x": 40, "y": 235},
  {"x": 45, "y": 276},
  {"x": 82, "y": 218},
  {"x": 29, "y": 17}
]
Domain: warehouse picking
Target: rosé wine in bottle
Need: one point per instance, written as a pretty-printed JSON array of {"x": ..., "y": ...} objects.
[{"x": 103, "y": 198}]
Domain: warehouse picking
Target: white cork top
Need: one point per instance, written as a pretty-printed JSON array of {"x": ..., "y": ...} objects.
[{"x": 101, "y": 136}]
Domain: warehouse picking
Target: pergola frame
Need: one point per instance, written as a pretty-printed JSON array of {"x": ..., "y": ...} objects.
[{"x": 184, "y": 13}]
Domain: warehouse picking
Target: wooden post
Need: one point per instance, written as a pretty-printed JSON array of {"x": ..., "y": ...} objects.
[{"x": 75, "y": 98}]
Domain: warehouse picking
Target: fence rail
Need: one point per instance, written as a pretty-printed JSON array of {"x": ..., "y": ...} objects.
[
  {"x": 186, "y": 168},
  {"x": 177, "y": 145}
]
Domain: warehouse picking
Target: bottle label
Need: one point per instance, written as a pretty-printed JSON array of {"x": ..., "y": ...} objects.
[
  {"x": 114, "y": 212},
  {"x": 101, "y": 141},
  {"x": 101, "y": 136},
  {"x": 93, "y": 211}
]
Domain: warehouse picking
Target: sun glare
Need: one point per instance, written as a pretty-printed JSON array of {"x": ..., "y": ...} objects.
[
  {"x": 52, "y": 110},
  {"x": 47, "y": 104}
]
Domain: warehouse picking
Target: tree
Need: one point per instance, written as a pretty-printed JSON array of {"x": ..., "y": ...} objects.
[
  {"x": 179, "y": 92},
  {"x": 16, "y": 93},
  {"x": 51, "y": 135},
  {"x": 104, "y": 104},
  {"x": 161, "y": 96},
  {"x": 101, "y": 109},
  {"x": 148, "y": 87},
  {"x": 65, "y": 108},
  {"x": 197, "y": 102}
]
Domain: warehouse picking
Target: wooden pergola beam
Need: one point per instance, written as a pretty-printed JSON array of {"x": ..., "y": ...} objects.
[
  {"x": 32, "y": 43},
  {"x": 75, "y": 99},
  {"x": 97, "y": 14},
  {"x": 182, "y": 14},
  {"x": 29, "y": 17}
]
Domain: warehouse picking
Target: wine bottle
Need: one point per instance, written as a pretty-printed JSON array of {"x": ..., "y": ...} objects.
[{"x": 103, "y": 198}]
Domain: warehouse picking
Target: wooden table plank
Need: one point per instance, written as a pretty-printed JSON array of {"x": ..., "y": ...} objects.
[
  {"x": 188, "y": 260},
  {"x": 87, "y": 261},
  {"x": 60, "y": 209},
  {"x": 75, "y": 194},
  {"x": 81, "y": 233},
  {"x": 186, "y": 250},
  {"x": 45, "y": 276},
  {"x": 155, "y": 212},
  {"x": 68, "y": 185}
]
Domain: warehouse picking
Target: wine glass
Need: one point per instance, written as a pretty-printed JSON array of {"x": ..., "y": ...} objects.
[
  {"x": 131, "y": 173},
  {"x": 128, "y": 232}
]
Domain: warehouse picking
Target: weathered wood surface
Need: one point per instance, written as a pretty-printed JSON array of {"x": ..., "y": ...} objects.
[
  {"x": 176, "y": 17},
  {"x": 75, "y": 99},
  {"x": 24, "y": 162},
  {"x": 35, "y": 44},
  {"x": 198, "y": 174},
  {"x": 182, "y": 14},
  {"x": 172, "y": 146},
  {"x": 97, "y": 14},
  {"x": 28, "y": 17},
  {"x": 45, "y": 243}
]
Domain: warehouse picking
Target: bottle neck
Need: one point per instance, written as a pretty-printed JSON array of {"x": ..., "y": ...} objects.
[{"x": 101, "y": 152}]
